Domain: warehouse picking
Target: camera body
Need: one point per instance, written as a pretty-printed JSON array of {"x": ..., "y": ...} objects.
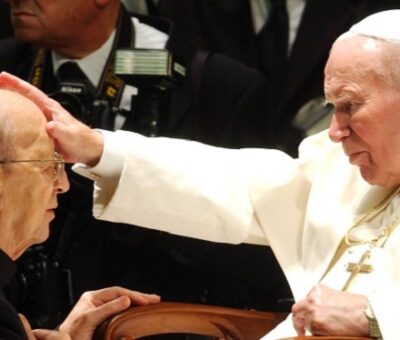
[
  {"x": 96, "y": 113},
  {"x": 153, "y": 72}
]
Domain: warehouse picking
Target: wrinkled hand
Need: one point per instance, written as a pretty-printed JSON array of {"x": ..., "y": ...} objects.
[
  {"x": 46, "y": 334},
  {"x": 74, "y": 140},
  {"x": 96, "y": 306},
  {"x": 42, "y": 334},
  {"x": 326, "y": 311}
]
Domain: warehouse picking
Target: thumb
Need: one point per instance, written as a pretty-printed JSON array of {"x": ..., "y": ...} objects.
[
  {"x": 62, "y": 138},
  {"x": 57, "y": 130},
  {"x": 45, "y": 334},
  {"x": 85, "y": 325},
  {"x": 27, "y": 327},
  {"x": 58, "y": 113}
]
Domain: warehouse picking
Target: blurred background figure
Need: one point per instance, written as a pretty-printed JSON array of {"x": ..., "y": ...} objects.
[{"x": 253, "y": 31}]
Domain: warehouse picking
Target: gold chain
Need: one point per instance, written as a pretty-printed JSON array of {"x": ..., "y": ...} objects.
[
  {"x": 362, "y": 266},
  {"x": 369, "y": 216}
]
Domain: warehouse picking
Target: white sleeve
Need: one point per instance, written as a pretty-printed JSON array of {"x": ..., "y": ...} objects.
[
  {"x": 178, "y": 186},
  {"x": 111, "y": 161},
  {"x": 188, "y": 188}
]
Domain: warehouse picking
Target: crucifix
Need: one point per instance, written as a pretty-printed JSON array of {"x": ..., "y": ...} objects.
[{"x": 357, "y": 268}]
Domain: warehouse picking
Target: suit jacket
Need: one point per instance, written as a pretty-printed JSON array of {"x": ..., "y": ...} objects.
[
  {"x": 5, "y": 27},
  {"x": 226, "y": 26},
  {"x": 222, "y": 102},
  {"x": 10, "y": 324},
  {"x": 268, "y": 197}
]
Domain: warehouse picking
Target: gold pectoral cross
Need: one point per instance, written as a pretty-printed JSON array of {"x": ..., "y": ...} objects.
[{"x": 357, "y": 268}]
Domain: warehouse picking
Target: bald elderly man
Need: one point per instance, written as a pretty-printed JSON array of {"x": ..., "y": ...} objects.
[
  {"x": 31, "y": 177},
  {"x": 331, "y": 216}
]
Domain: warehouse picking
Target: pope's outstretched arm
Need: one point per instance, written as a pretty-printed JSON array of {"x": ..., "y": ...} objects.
[{"x": 181, "y": 187}]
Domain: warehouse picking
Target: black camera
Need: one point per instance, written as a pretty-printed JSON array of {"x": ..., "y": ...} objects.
[{"x": 77, "y": 99}]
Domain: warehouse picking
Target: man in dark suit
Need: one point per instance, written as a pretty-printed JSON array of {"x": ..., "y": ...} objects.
[
  {"x": 219, "y": 101},
  {"x": 227, "y": 26}
]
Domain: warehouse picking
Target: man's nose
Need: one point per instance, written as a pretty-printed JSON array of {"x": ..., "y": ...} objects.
[
  {"x": 62, "y": 183},
  {"x": 339, "y": 128}
]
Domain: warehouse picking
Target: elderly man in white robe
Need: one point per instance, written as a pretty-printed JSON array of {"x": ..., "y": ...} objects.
[{"x": 331, "y": 216}]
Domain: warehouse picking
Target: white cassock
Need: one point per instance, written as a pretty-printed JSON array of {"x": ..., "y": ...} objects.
[{"x": 301, "y": 207}]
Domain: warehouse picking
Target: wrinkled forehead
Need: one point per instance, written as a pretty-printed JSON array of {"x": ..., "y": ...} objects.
[
  {"x": 21, "y": 121},
  {"x": 365, "y": 58},
  {"x": 354, "y": 64},
  {"x": 355, "y": 52}
]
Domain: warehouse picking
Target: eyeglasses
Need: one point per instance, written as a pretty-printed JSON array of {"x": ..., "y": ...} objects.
[{"x": 56, "y": 171}]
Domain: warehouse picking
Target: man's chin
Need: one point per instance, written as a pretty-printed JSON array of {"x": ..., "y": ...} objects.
[
  {"x": 368, "y": 176},
  {"x": 372, "y": 178},
  {"x": 44, "y": 233},
  {"x": 27, "y": 35}
]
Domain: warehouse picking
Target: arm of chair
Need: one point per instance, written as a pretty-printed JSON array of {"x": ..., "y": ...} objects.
[
  {"x": 175, "y": 318},
  {"x": 211, "y": 321}
]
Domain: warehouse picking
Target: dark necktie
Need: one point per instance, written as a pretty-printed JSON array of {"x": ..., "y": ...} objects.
[
  {"x": 273, "y": 42},
  {"x": 70, "y": 75},
  {"x": 69, "y": 72}
]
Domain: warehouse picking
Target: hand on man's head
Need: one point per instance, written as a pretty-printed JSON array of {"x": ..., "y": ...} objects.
[{"x": 75, "y": 141}]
